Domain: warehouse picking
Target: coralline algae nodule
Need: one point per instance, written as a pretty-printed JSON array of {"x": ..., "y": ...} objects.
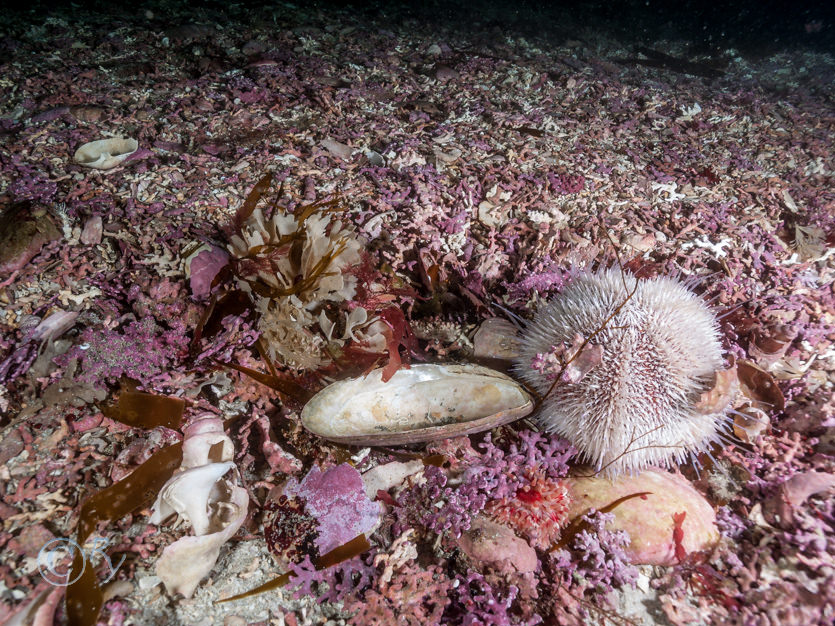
[{"x": 637, "y": 404}]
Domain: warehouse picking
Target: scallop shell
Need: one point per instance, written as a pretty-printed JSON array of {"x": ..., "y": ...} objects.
[
  {"x": 105, "y": 154},
  {"x": 424, "y": 403}
]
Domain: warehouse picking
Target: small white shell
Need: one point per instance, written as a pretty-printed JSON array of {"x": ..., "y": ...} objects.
[
  {"x": 424, "y": 403},
  {"x": 105, "y": 154}
]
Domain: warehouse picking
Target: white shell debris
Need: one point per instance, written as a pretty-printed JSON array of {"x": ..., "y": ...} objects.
[
  {"x": 105, "y": 154},
  {"x": 425, "y": 403}
]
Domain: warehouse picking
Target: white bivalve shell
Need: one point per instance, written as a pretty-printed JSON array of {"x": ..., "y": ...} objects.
[
  {"x": 105, "y": 154},
  {"x": 424, "y": 403}
]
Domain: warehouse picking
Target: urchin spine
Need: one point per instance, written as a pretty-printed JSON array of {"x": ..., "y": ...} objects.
[{"x": 637, "y": 407}]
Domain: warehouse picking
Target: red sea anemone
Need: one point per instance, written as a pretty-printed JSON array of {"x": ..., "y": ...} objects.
[{"x": 537, "y": 510}]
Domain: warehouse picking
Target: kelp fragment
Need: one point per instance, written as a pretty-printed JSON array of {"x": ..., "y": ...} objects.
[
  {"x": 246, "y": 209},
  {"x": 355, "y": 547},
  {"x": 84, "y": 596},
  {"x": 325, "y": 206},
  {"x": 146, "y": 410},
  {"x": 435, "y": 460},
  {"x": 265, "y": 354},
  {"x": 234, "y": 302},
  {"x": 133, "y": 493},
  {"x": 529, "y": 130},
  {"x": 349, "y": 550},
  {"x": 760, "y": 386},
  {"x": 287, "y": 387}
]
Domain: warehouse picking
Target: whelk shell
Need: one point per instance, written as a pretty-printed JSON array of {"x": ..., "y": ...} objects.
[{"x": 424, "y": 403}]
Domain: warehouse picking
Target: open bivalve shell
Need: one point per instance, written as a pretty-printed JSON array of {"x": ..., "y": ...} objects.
[
  {"x": 105, "y": 154},
  {"x": 425, "y": 403}
]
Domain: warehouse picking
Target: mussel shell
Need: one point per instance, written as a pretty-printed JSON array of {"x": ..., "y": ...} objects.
[{"x": 427, "y": 402}]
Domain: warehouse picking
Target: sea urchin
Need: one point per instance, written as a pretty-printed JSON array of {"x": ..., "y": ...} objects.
[{"x": 636, "y": 403}]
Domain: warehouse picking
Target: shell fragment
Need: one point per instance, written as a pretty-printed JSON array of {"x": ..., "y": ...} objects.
[
  {"x": 425, "y": 403},
  {"x": 105, "y": 154}
]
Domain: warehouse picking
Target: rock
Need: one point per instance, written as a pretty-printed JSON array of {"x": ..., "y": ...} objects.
[
  {"x": 649, "y": 521},
  {"x": 24, "y": 230},
  {"x": 87, "y": 113},
  {"x": 494, "y": 545},
  {"x": 444, "y": 73},
  {"x": 337, "y": 149},
  {"x": 496, "y": 338},
  {"x": 10, "y": 446},
  {"x": 31, "y": 540},
  {"x": 91, "y": 235}
]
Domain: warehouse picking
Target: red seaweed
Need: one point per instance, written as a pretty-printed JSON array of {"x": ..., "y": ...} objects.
[{"x": 678, "y": 535}]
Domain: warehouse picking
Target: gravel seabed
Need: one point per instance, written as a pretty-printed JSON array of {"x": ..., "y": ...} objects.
[{"x": 478, "y": 167}]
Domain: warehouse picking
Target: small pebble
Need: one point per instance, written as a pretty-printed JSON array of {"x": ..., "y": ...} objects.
[{"x": 91, "y": 235}]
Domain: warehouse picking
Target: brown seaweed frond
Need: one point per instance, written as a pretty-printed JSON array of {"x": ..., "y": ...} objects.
[
  {"x": 346, "y": 551},
  {"x": 305, "y": 283},
  {"x": 133, "y": 493},
  {"x": 267, "y": 259},
  {"x": 246, "y": 209},
  {"x": 282, "y": 385}
]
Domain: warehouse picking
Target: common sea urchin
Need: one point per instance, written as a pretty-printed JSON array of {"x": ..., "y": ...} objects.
[{"x": 636, "y": 403}]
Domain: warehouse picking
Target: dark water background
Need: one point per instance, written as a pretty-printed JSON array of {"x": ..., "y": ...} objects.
[{"x": 751, "y": 28}]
